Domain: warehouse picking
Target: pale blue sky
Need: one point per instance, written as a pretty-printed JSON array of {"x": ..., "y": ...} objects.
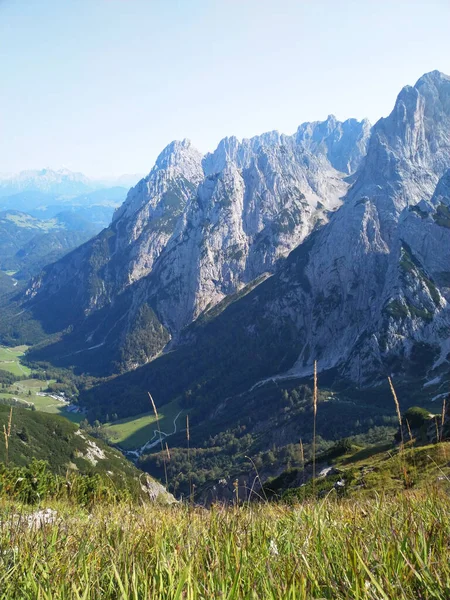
[{"x": 101, "y": 86}]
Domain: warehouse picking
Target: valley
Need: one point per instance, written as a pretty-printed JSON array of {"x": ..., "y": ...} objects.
[
  {"x": 224, "y": 300},
  {"x": 141, "y": 432},
  {"x": 24, "y": 391},
  {"x": 221, "y": 280}
]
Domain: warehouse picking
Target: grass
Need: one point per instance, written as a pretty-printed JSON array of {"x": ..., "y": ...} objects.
[
  {"x": 28, "y": 222},
  {"x": 134, "y": 432},
  {"x": 385, "y": 548},
  {"x": 26, "y": 390},
  {"x": 10, "y": 360}
]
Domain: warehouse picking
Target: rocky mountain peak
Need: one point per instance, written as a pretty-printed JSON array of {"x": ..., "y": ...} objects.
[
  {"x": 344, "y": 144},
  {"x": 198, "y": 229},
  {"x": 181, "y": 157},
  {"x": 387, "y": 249},
  {"x": 179, "y": 164},
  {"x": 433, "y": 79},
  {"x": 228, "y": 150},
  {"x": 408, "y": 150}
]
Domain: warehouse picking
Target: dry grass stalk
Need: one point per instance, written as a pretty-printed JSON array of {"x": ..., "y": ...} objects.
[
  {"x": 167, "y": 452},
  {"x": 160, "y": 435},
  {"x": 302, "y": 459},
  {"x": 157, "y": 419},
  {"x": 7, "y": 435},
  {"x": 188, "y": 437},
  {"x": 315, "y": 388},
  {"x": 9, "y": 422},
  {"x": 402, "y": 445},
  {"x": 409, "y": 431},
  {"x": 442, "y": 419},
  {"x": 397, "y": 408},
  {"x": 154, "y": 407},
  {"x": 314, "y": 423}
]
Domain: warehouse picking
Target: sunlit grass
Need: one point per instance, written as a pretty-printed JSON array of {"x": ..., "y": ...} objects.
[
  {"x": 383, "y": 548},
  {"x": 134, "y": 432},
  {"x": 10, "y": 360}
]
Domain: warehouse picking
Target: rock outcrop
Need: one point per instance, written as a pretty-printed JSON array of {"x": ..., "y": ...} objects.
[{"x": 194, "y": 231}]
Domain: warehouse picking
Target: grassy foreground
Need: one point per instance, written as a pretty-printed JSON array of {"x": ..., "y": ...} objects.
[{"x": 382, "y": 548}]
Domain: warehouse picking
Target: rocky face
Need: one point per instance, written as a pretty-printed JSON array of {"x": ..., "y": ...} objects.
[
  {"x": 197, "y": 229},
  {"x": 343, "y": 144},
  {"x": 378, "y": 273},
  {"x": 366, "y": 286}
]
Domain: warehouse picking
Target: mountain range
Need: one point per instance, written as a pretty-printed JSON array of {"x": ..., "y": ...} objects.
[
  {"x": 45, "y": 193},
  {"x": 45, "y": 213},
  {"x": 248, "y": 264},
  {"x": 196, "y": 230},
  {"x": 59, "y": 182}
]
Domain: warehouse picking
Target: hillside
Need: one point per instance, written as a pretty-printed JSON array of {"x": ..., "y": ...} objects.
[
  {"x": 27, "y": 244},
  {"x": 364, "y": 472},
  {"x": 66, "y": 449}
]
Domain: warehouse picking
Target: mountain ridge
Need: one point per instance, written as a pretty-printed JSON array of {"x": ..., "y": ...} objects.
[
  {"x": 187, "y": 235},
  {"x": 355, "y": 284}
]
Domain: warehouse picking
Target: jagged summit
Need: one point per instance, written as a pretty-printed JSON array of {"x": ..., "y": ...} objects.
[
  {"x": 179, "y": 164},
  {"x": 195, "y": 230},
  {"x": 435, "y": 78},
  {"x": 198, "y": 229},
  {"x": 343, "y": 143},
  {"x": 409, "y": 150},
  {"x": 176, "y": 153}
]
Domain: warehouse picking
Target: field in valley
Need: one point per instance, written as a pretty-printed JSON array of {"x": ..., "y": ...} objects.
[
  {"x": 29, "y": 391},
  {"x": 134, "y": 432},
  {"x": 10, "y": 360}
]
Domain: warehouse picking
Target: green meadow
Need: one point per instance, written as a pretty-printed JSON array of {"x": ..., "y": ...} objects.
[
  {"x": 27, "y": 391},
  {"x": 10, "y": 360},
  {"x": 134, "y": 432},
  {"x": 382, "y": 548}
]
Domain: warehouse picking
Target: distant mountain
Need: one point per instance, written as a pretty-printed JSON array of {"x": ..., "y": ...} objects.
[
  {"x": 62, "y": 182},
  {"x": 95, "y": 208},
  {"x": 45, "y": 193}
]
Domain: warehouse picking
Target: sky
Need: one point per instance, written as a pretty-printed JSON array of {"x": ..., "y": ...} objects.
[{"x": 102, "y": 86}]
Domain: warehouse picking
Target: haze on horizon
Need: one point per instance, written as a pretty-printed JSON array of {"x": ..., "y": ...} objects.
[{"x": 101, "y": 86}]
